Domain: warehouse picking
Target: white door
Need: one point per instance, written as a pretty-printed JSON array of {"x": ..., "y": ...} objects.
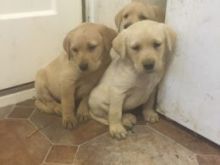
[
  {"x": 31, "y": 34},
  {"x": 190, "y": 93}
]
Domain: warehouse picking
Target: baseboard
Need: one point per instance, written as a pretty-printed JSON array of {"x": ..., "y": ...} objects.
[{"x": 17, "y": 97}]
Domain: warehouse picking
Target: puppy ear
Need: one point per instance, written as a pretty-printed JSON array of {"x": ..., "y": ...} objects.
[
  {"x": 170, "y": 38},
  {"x": 66, "y": 45},
  {"x": 108, "y": 35},
  {"x": 159, "y": 13},
  {"x": 118, "y": 19},
  {"x": 119, "y": 44}
]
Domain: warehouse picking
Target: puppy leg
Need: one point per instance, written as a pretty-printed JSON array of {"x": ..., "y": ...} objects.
[
  {"x": 68, "y": 104},
  {"x": 116, "y": 128},
  {"x": 45, "y": 102},
  {"x": 83, "y": 110},
  {"x": 149, "y": 113}
]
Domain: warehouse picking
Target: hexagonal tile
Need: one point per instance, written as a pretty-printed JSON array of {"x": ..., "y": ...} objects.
[
  {"x": 21, "y": 112},
  {"x": 61, "y": 154},
  {"x": 145, "y": 146},
  {"x": 19, "y": 148},
  {"x": 54, "y": 130},
  {"x": 5, "y": 111},
  {"x": 208, "y": 159}
]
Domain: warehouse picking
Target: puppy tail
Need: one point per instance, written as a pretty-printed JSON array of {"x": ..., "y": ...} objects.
[{"x": 101, "y": 120}]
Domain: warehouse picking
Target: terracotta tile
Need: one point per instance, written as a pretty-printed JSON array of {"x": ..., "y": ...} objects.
[
  {"x": 5, "y": 111},
  {"x": 61, "y": 154},
  {"x": 145, "y": 146},
  {"x": 29, "y": 102},
  {"x": 185, "y": 137},
  {"x": 208, "y": 159},
  {"x": 21, "y": 112},
  {"x": 54, "y": 130},
  {"x": 17, "y": 148}
]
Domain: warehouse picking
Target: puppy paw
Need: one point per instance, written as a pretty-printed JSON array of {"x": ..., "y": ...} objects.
[
  {"x": 83, "y": 114},
  {"x": 69, "y": 122},
  {"x": 151, "y": 116},
  {"x": 129, "y": 120},
  {"x": 118, "y": 131}
]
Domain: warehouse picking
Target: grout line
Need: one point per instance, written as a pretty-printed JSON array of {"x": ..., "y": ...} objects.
[
  {"x": 92, "y": 139},
  {"x": 10, "y": 111},
  {"x": 75, "y": 157},
  {"x": 41, "y": 132},
  {"x": 32, "y": 113},
  {"x": 44, "y": 160}
]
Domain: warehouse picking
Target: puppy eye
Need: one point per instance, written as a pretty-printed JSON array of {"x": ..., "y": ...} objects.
[
  {"x": 136, "y": 47},
  {"x": 156, "y": 45},
  {"x": 75, "y": 50},
  {"x": 91, "y": 47},
  {"x": 142, "y": 17},
  {"x": 126, "y": 16}
]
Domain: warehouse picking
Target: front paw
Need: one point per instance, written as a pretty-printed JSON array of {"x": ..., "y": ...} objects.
[
  {"x": 118, "y": 131},
  {"x": 69, "y": 122},
  {"x": 83, "y": 114},
  {"x": 151, "y": 116}
]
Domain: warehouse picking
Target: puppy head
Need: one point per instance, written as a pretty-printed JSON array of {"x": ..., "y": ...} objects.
[
  {"x": 87, "y": 46},
  {"x": 146, "y": 44},
  {"x": 138, "y": 11}
]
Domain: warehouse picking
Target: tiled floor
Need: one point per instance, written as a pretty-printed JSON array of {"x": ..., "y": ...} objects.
[{"x": 29, "y": 137}]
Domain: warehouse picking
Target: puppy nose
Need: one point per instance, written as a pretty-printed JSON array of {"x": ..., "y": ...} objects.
[
  {"x": 149, "y": 65},
  {"x": 83, "y": 66}
]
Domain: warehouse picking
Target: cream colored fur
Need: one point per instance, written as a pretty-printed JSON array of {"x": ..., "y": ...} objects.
[
  {"x": 139, "y": 63},
  {"x": 138, "y": 11},
  {"x": 72, "y": 75}
]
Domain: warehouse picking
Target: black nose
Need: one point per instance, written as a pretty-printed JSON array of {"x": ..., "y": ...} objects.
[
  {"x": 149, "y": 65},
  {"x": 83, "y": 66}
]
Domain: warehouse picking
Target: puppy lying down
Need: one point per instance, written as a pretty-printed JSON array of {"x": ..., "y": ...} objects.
[{"x": 141, "y": 61}]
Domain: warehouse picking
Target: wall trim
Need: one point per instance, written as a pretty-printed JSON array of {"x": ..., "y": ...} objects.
[{"x": 16, "y": 97}]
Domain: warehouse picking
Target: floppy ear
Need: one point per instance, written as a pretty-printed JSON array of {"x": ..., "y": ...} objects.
[
  {"x": 66, "y": 45},
  {"x": 170, "y": 38},
  {"x": 159, "y": 13},
  {"x": 108, "y": 35},
  {"x": 119, "y": 44},
  {"x": 118, "y": 19}
]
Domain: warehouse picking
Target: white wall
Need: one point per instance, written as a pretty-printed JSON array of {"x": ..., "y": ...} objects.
[{"x": 190, "y": 93}]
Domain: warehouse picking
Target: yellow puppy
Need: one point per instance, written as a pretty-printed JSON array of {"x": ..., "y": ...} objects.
[
  {"x": 72, "y": 75},
  {"x": 138, "y": 11},
  {"x": 132, "y": 76}
]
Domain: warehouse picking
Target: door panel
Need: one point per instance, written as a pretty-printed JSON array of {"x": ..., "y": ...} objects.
[
  {"x": 31, "y": 35},
  {"x": 190, "y": 93}
]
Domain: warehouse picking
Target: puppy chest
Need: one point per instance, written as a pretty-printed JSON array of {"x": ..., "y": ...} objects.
[
  {"x": 84, "y": 88},
  {"x": 140, "y": 93}
]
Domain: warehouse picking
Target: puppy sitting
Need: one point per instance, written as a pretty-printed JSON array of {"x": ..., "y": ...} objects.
[
  {"x": 138, "y": 11},
  {"x": 132, "y": 76},
  {"x": 132, "y": 13},
  {"x": 72, "y": 75}
]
